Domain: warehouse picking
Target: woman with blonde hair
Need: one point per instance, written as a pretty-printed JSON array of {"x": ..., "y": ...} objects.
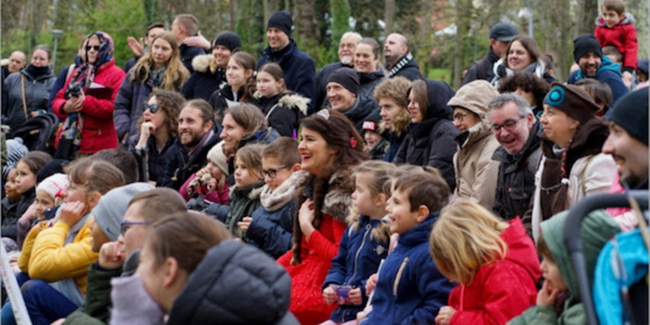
[
  {"x": 160, "y": 67},
  {"x": 493, "y": 261}
]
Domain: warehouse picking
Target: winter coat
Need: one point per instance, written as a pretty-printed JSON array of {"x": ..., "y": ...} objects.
[
  {"x": 608, "y": 73},
  {"x": 234, "y": 284},
  {"x": 129, "y": 104},
  {"x": 38, "y": 85},
  {"x": 410, "y": 288},
  {"x": 516, "y": 178},
  {"x": 432, "y": 141},
  {"x": 156, "y": 160},
  {"x": 582, "y": 170},
  {"x": 98, "y": 131},
  {"x": 180, "y": 166},
  {"x": 360, "y": 111},
  {"x": 283, "y": 111},
  {"x": 243, "y": 202},
  {"x": 487, "y": 63},
  {"x": 272, "y": 227},
  {"x": 98, "y": 298},
  {"x": 322, "y": 77},
  {"x": 205, "y": 79},
  {"x": 405, "y": 67},
  {"x": 61, "y": 79},
  {"x": 299, "y": 69},
  {"x": 9, "y": 218},
  {"x": 396, "y": 134},
  {"x": 622, "y": 36},
  {"x": 378, "y": 150},
  {"x": 596, "y": 229},
  {"x": 368, "y": 81},
  {"x": 536, "y": 68},
  {"x": 223, "y": 98},
  {"x": 503, "y": 289},
  {"x": 359, "y": 257},
  {"x": 9, "y": 228},
  {"x": 187, "y": 54},
  {"x": 45, "y": 257}
]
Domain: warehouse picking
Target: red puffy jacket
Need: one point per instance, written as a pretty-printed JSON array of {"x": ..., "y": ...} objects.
[
  {"x": 622, "y": 36},
  {"x": 98, "y": 131}
]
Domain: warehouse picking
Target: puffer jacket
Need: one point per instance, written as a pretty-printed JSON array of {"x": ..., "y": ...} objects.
[
  {"x": 38, "y": 84},
  {"x": 234, "y": 284},
  {"x": 98, "y": 130},
  {"x": 283, "y": 111},
  {"x": 432, "y": 142},
  {"x": 205, "y": 79},
  {"x": 608, "y": 73},
  {"x": 622, "y": 36}
]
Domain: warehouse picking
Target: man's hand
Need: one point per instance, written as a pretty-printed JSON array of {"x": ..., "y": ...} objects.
[
  {"x": 111, "y": 256},
  {"x": 137, "y": 48},
  {"x": 198, "y": 41}
]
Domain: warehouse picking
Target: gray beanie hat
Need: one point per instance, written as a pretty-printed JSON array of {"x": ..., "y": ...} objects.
[
  {"x": 109, "y": 211},
  {"x": 219, "y": 158}
]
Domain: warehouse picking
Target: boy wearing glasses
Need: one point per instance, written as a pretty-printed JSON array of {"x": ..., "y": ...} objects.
[
  {"x": 270, "y": 227},
  {"x": 517, "y": 131}
]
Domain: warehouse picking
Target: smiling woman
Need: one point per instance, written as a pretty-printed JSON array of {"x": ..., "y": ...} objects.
[
  {"x": 522, "y": 55},
  {"x": 366, "y": 62}
]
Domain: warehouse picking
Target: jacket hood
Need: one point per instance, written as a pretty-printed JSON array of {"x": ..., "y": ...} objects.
[
  {"x": 596, "y": 229},
  {"x": 475, "y": 97},
  {"x": 295, "y": 101},
  {"x": 475, "y": 134},
  {"x": 235, "y": 284},
  {"x": 365, "y": 77},
  {"x": 627, "y": 19},
  {"x": 438, "y": 93},
  {"x": 419, "y": 234},
  {"x": 204, "y": 63},
  {"x": 521, "y": 249}
]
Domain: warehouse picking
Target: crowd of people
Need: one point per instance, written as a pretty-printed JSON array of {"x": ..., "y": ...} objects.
[{"x": 198, "y": 185}]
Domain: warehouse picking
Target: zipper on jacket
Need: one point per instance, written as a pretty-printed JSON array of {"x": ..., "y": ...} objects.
[
  {"x": 356, "y": 257},
  {"x": 399, "y": 275}
]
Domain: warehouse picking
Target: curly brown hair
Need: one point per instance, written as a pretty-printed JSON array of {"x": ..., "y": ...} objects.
[
  {"x": 171, "y": 103},
  {"x": 527, "y": 82}
]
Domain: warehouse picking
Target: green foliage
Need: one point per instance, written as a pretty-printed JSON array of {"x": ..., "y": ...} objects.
[{"x": 340, "y": 12}]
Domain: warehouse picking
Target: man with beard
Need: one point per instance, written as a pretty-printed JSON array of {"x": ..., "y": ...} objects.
[
  {"x": 399, "y": 61},
  {"x": 196, "y": 136},
  {"x": 347, "y": 46},
  {"x": 589, "y": 57}
]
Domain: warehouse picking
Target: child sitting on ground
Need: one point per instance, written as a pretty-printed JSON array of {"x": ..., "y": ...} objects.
[
  {"x": 410, "y": 288},
  {"x": 271, "y": 226},
  {"x": 211, "y": 181},
  {"x": 559, "y": 302},
  {"x": 364, "y": 243},
  {"x": 615, "y": 28},
  {"x": 494, "y": 262}
]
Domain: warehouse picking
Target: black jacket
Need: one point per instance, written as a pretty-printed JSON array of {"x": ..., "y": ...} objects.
[
  {"x": 487, "y": 64},
  {"x": 432, "y": 142},
  {"x": 299, "y": 69},
  {"x": 38, "y": 85},
  {"x": 156, "y": 160},
  {"x": 187, "y": 55},
  {"x": 180, "y": 167},
  {"x": 405, "y": 67},
  {"x": 284, "y": 111},
  {"x": 203, "y": 82},
  {"x": 516, "y": 181},
  {"x": 370, "y": 80},
  {"x": 322, "y": 77},
  {"x": 360, "y": 111},
  {"x": 234, "y": 284},
  {"x": 220, "y": 98}
]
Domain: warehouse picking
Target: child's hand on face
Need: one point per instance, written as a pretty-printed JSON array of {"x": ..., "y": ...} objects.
[
  {"x": 329, "y": 295},
  {"x": 245, "y": 223},
  {"x": 213, "y": 185},
  {"x": 111, "y": 256},
  {"x": 72, "y": 212},
  {"x": 444, "y": 315},
  {"x": 547, "y": 295},
  {"x": 371, "y": 284},
  {"x": 355, "y": 296}
]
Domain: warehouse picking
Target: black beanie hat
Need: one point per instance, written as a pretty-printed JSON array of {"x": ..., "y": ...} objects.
[
  {"x": 347, "y": 78},
  {"x": 572, "y": 100},
  {"x": 281, "y": 20},
  {"x": 631, "y": 113},
  {"x": 584, "y": 44},
  {"x": 228, "y": 39}
]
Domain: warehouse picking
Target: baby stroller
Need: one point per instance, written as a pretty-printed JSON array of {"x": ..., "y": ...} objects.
[
  {"x": 631, "y": 293},
  {"x": 37, "y": 131}
]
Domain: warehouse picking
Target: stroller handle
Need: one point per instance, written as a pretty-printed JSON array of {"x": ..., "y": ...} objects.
[{"x": 573, "y": 241}]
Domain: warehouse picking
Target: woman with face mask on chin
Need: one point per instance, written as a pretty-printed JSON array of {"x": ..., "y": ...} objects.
[
  {"x": 26, "y": 92},
  {"x": 90, "y": 93}
]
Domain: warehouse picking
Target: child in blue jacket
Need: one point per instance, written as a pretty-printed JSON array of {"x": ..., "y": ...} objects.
[
  {"x": 410, "y": 288},
  {"x": 364, "y": 243}
]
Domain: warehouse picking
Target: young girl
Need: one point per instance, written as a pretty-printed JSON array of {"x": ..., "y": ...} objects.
[
  {"x": 494, "y": 262},
  {"x": 240, "y": 73},
  {"x": 364, "y": 244},
  {"x": 245, "y": 196},
  {"x": 211, "y": 181},
  {"x": 283, "y": 108},
  {"x": 11, "y": 198}
]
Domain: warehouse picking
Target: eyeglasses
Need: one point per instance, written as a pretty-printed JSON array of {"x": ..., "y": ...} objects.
[
  {"x": 271, "y": 173},
  {"x": 153, "y": 108},
  {"x": 509, "y": 125},
  {"x": 459, "y": 116},
  {"x": 92, "y": 47},
  {"x": 124, "y": 226}
]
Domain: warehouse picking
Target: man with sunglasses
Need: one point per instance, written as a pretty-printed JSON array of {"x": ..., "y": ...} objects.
[{"x": 517, "y": 130}]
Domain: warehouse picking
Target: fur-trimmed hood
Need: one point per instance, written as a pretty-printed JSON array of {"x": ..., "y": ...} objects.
[
  {"x": 204, "y": 63},
  {"x": 287, "y": 100},
  {"x": 272, "y": 201},
  {"x": 338, "y": 200}
]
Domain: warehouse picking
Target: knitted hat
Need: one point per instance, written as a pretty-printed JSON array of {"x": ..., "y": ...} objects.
[
  {"x": 15, "y": 151},
  {"x": 228, "y": 39},
  {"x": 54, "y": 185},
  {"x": 53, "y": 167},
  {"x": 109, "y": 211},
  {"x": 346, "y": 77},
  {"x": 371, "y": 123},
  {"x": 631, "y": 113},
  {"x": 584, "y": 44},
  {"x": 572, "y": 100},
  {"x": 504, "y": 32},
  {"x": 475, "y": 97},
  {"x": 643, "y": 65},
  {"x": 281, "y": 20},
  {"x": 217, "y": 156}
]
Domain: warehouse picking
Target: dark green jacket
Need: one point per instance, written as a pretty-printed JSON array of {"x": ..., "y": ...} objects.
[
  {"x": 243, "y": 202},
  {"x": 98, "y": 298}
]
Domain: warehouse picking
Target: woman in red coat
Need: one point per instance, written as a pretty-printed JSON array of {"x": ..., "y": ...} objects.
[
  {"x": 494, "y": 262},
  {"x": 90, "y": 92},
  {"x": 329, "y": 147}
]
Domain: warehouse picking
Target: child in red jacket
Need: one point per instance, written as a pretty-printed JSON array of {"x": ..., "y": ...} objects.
[
  {"x": 615, "y": 28},
  {"x": 494, "y": 262}
]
